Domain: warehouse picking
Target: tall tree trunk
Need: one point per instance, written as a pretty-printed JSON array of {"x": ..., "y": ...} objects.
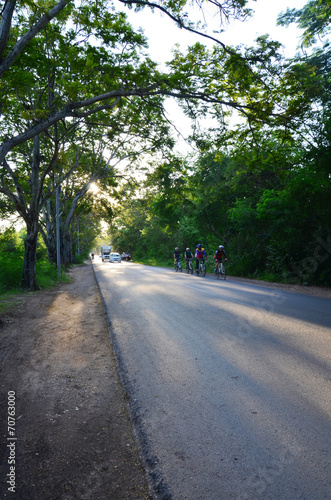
[
  {"x": 47, "y": 232},
  {"x": 29, "y": 278},
  {"x": 48, "y": 238},
  {"x": 66, "y": 249}
]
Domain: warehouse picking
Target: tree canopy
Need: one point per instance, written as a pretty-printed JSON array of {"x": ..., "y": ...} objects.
[{"x": 80, "y": 95}]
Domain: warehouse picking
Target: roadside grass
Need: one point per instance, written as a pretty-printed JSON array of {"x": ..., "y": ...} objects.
[
  {"x": 11, "y": 268},
  {"x": 47, "y": 275},
  {"x": 10, "y": 299},
  {"x": 271, "y": 277},
  {"x": 80, "y": 259},
  {"x": 11, "y": 294}
]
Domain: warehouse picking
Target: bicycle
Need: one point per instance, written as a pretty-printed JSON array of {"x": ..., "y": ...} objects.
[
  {"x": 189, "y": 266},
  {"x": 220, "y": 270},
  {"x": 178, "y": 266},
  {"x": 202, "y": 268}
]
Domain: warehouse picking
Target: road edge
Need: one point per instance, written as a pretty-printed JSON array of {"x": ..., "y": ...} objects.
[{"x": 154, "y": 476}]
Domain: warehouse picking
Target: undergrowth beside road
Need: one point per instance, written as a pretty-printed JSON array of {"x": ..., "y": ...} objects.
[
  {"x": 12, "y": 260},
  {"x": 11, "y": 297}
]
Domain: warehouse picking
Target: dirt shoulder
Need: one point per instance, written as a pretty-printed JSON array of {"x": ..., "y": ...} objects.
[{"x": 74, "y": 439}]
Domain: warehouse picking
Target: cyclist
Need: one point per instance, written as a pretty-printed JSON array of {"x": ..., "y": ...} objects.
[
  {"x": 188, "y": 256},
  {"x": 219, "y": 254},
  {"x": 200, "y": 255},
  {"x": 177, "y": 255}
]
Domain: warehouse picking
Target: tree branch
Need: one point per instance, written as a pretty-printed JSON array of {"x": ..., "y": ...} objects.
[
  {"x": 6, "y": 19},
  {"x": 20, "y": 196},
  {"x": 71, "y": 110},
  {"x": 29, "y": 35}
]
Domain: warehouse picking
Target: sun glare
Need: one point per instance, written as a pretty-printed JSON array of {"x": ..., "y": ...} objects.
[{"x": 94, "y": 188}]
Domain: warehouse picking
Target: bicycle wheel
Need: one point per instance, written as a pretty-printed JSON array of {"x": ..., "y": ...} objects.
[
  {"x": 222, "y": 271},
  {"x": 180, "y": 267},
  {"x": 218, "y": 272},
  {"x": 191, "y": 267},
  {"x": 176, "y": 267},
  {"x": 203, "y": 269}
]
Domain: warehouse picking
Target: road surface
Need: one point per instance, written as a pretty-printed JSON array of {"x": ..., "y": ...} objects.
[{"x": 230, "y": 382}]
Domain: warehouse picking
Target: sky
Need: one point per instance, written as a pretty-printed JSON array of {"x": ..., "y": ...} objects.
[{"x": 163, "y": 34}]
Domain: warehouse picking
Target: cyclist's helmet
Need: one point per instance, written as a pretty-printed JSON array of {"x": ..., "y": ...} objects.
[
  {"x": 187, "y": 249},
  {"x": 176, "y": 248},
  {"x": 221, "y": 246},
  {"x": 199, "y": 245}
]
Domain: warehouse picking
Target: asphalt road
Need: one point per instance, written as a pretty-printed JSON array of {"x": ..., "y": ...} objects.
[{"x": 231, "y": 382}]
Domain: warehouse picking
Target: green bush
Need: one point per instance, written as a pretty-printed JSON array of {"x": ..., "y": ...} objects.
[
  {"x": 47, "y": 274},
  {"x": 80, "y": 259},
  {"x": 12, "y": 259}
]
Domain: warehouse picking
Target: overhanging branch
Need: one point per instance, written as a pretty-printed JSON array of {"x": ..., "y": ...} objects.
[{"x": 29, "y": 35}]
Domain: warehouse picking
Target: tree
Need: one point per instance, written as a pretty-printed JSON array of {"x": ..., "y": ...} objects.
[
  {"x": 28, "y": 187},
  {"x": 117, "y": 76},
  {"x": 314, "y": 19},
  {"x": 53, "y": 77},
  {"x": 67, "y": 65}
]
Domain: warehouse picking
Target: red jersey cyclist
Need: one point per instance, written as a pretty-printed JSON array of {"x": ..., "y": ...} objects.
[{"x": 219, "y": 255}]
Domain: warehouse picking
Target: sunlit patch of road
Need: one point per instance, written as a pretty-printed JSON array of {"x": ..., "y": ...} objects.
[{"x": 230, "y": 382}]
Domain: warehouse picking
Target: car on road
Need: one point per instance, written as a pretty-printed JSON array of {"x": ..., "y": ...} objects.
[{"x": 115, "y": 257}]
